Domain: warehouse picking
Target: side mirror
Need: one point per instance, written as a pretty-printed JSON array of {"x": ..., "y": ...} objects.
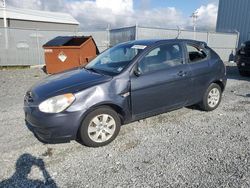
[{"x": 137, "y": 72}]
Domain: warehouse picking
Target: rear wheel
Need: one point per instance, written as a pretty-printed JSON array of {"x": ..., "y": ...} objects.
[
  {"x": 100, "y": 127},
  {"x": 211, "y": 98}
]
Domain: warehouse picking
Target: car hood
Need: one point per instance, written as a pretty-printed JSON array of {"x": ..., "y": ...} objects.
[{"x": 67, "y": 82}]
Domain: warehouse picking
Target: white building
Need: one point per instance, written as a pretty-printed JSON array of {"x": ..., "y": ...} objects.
[
  {"x": 25, "y": 31},
  {"x": 233, "y": 15},
  {"x": 35, "y": 19}
]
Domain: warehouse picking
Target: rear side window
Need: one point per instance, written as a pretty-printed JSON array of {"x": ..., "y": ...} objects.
[
  {"x": 195, "y": 54},
  {"x": 162, "y": 57}
]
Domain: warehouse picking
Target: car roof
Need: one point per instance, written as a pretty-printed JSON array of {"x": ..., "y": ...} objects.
[{"x": 150, "y": 42}]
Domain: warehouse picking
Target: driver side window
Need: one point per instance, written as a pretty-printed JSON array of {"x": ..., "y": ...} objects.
[{"x": 162, "y": 57}]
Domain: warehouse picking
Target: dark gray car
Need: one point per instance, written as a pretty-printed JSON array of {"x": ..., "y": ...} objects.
[
  {"x": 243, "y": 59},
  {"x": 128, "y": 82}
]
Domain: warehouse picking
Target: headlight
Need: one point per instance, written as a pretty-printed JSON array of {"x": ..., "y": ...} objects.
[{"x": 57, "y": 104}]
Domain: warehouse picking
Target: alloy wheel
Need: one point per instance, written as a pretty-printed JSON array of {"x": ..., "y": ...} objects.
[
  {"x": 101, "y": 128},
  {"x": 213, "y": 97}
]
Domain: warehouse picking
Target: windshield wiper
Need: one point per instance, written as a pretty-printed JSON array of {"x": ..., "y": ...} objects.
[{"x": 94, "y": 70}]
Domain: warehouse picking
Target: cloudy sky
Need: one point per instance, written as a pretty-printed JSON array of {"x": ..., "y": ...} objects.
[{"x": 97, "y": 14}]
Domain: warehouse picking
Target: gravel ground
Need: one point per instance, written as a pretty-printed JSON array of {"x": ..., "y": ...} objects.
[{"x": 183, "y": 148}]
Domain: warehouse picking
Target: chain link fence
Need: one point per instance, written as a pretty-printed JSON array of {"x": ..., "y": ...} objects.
[
  {"x": 224, "y": 44},
  {"x": 24, "y": 46}
]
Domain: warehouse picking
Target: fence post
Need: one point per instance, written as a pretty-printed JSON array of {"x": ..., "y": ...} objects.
[
  {"x": 237, "y": 40},
  {"x": 208, "y": 38},
  {"x": 136, "y": 31},
  {"x": 38, "y": 47},
  {"x": 108, "y": 36},
  {"x": 6, "y": 49}
]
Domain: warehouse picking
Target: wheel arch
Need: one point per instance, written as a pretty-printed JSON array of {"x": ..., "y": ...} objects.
[
  {"x": 96, "y": 110},
  {"x": 121, "y": 113},
  {"x": 115, "y": 107},
  {"x": 220, "y": 83}
]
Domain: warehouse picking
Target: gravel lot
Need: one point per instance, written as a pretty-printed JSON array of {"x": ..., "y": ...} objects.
[{"x": 183, "y": 148}]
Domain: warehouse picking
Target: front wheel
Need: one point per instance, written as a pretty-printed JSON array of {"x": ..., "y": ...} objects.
[
  {"x": 211, "y": 98},
  {"x": 100, "y": 127}
]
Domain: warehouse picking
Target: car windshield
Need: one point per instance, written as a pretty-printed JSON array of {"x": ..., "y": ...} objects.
[{"x": 114, "y": 60}]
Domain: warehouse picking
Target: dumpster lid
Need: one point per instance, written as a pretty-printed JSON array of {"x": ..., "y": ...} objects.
[
  {"x": 67, "y": 41},
  {"x": 58, "y": 41}
]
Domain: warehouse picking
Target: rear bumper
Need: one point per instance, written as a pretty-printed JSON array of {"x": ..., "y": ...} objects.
[{"x": 53, "y": 128}]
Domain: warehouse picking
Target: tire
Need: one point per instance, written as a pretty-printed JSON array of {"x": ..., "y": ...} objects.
[
  {"x": 211, "y": 98},
  {"x": 100, "y": 127}
]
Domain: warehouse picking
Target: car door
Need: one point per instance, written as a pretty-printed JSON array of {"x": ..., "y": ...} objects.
[
  {"x": 161, "y": 81},
  {"x": 198, "y": 61}
]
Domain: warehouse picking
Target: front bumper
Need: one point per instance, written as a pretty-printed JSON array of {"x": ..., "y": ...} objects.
[{"x": 53, "y": 128}]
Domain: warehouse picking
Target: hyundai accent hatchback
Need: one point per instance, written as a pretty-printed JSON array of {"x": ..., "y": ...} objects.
[{"x": 128, "y": 82}]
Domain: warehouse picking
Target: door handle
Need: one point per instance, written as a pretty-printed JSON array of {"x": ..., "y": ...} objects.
[{"x": 182, "y": 73}]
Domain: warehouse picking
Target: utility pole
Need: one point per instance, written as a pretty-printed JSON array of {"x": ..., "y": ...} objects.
[
  {"x": 194, "y": 16},
  {"x": 4, "y": 13},
  {"x": 3, "y": 5}
]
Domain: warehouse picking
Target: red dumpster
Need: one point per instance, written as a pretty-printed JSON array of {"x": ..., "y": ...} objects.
[{"x": 67, "y": 52}]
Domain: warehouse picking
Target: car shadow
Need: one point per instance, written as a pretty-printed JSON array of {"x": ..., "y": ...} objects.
[
  {"x": 233, "y": 73},
  {"x": 23, "y": 167}
]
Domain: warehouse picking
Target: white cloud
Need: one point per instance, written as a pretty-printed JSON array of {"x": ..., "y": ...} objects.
[
  {"x": 164, "y": 17},
  {"x": 207, "y": 16},
  {"x": 117, "y": 6},
  {"x": 100, "y": 13},
  {"x": 53, "y": 5},
  {"x": 97, "y": 14}
]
